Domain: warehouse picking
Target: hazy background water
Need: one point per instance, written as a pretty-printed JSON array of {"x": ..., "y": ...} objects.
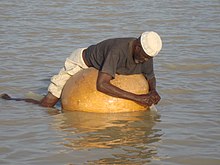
[{"x": 37, "y": 36}]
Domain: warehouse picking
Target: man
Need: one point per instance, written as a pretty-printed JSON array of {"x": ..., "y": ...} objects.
[{"x": 113, "y": 56}]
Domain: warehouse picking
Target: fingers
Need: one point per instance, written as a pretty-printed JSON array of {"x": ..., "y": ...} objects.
[
  {"x": 148, "y": 99},
  {"x": 155, "y": 97}
]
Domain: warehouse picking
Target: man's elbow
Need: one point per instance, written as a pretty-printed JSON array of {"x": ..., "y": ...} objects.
[{"x": 100, "y": 87}]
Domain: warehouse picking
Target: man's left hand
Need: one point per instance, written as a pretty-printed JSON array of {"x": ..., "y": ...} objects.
[{"x": 155, "y": 97}]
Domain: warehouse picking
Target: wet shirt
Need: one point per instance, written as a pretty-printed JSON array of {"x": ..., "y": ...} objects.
[{"x": 114, "y": 56}]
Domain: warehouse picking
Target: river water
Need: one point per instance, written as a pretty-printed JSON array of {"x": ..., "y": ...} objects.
[{"x": 37, "y": 36}]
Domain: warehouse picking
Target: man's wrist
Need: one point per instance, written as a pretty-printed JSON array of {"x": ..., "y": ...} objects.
[{"x": 153, "y": 90}]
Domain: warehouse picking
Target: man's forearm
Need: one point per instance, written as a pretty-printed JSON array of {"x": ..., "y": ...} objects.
[
  {"x": 155, "y": 97},
  {"x": 152, "y": 84},
  {"x": 114, "y": 91}
]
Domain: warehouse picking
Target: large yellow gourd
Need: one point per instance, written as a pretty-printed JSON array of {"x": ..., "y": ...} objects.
[{"x": 80, "y": 93}]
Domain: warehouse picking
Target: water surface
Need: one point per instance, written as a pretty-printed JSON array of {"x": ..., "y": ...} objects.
[{"x": 37, "y": 36}]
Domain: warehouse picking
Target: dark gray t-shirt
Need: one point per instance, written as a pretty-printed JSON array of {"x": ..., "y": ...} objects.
[{"x": 114, "y": 56}]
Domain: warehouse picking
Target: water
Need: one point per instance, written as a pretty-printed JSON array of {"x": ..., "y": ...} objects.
[{"x": 37, "y": 36}]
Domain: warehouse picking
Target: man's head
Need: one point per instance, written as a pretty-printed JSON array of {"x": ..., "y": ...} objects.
[{"x": 147, "y": 46}]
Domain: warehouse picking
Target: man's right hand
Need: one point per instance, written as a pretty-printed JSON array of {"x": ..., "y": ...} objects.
[{"x": 144, "y": 99}]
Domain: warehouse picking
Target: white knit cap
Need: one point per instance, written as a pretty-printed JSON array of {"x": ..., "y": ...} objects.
[{"x": 151, "y": 43}]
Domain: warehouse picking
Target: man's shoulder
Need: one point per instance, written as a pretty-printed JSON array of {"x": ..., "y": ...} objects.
[
  {"x": 119, "y": 39},
  {"x": 116, "y": 43}
]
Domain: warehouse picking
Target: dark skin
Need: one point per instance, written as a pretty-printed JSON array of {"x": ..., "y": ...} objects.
[
  {"x": 48, "y": 101},
  {"x": 104, "y": 85}
]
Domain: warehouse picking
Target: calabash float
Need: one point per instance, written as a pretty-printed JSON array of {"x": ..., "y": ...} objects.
[{"x": 80, "y": 93}]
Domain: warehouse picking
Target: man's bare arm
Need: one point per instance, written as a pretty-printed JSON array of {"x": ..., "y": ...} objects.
[
  {"x": 103, "y": 85},
  {"x": 152, "y": 91}
]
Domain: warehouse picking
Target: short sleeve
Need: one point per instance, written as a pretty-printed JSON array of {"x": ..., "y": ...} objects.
[
  {"x": 148, "y": 69},
  {"x": 110, "y": 64}
]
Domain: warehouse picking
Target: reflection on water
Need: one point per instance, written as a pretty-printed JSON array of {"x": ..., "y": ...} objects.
[{"x": 133, "y": 132}]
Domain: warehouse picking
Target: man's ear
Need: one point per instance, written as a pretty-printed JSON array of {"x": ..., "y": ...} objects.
[{"x": 137, "y": 42}]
